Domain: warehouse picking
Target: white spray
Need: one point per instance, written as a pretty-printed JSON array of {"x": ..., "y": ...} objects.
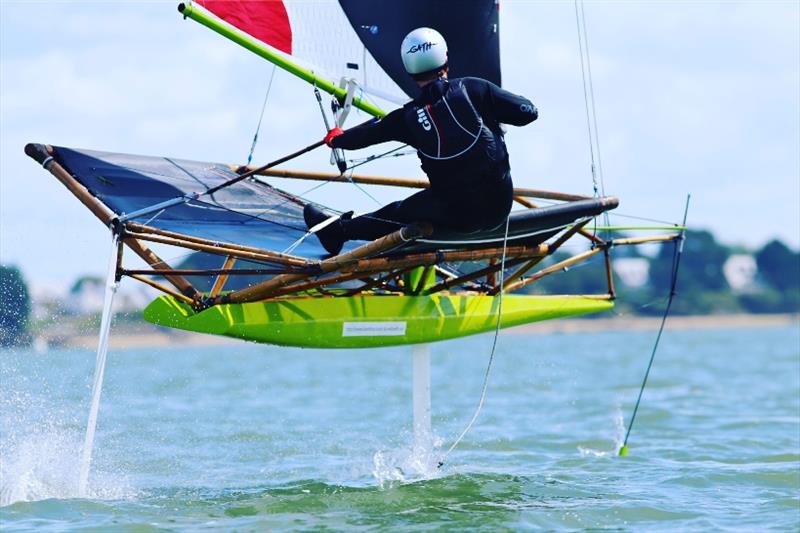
[{"x": 100, "y": 367}]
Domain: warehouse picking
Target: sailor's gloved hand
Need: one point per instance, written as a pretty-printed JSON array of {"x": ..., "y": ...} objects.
[{"x": 335, "y": 132}]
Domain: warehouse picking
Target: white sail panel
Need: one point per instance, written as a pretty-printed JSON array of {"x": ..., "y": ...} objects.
[
  {"x": 316, "y": 34},
  {"x": 323, "y": 38}
]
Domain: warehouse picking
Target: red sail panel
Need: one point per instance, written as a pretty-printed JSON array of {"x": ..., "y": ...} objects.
[{"x": 266, "y": 21}]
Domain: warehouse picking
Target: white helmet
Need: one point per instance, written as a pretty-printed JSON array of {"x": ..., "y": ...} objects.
[{"x": 423, "y": 50}]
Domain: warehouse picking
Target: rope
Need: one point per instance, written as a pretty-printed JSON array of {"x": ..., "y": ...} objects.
[
  {"x": 586, "y": 97},
  {"x": 591, "y": 110},
  {"x": 591, "y": 95},
  {"x": 261, "y": 117},
  {"x": 390, "y": 153},
  {"x": 491, "y": 356},
  {"x": 676, "y": 261}
]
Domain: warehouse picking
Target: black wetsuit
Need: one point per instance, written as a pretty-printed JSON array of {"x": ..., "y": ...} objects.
[{"x": 470, "y": 186}]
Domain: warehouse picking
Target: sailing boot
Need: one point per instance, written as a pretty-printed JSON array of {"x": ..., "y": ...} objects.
[{"x": 332, "y": 236}]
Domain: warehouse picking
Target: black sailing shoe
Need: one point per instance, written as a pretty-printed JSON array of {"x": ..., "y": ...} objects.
[{"x": 331, "y": 236}]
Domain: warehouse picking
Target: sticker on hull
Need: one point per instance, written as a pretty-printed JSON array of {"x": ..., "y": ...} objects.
[{"x": 373, "y": 329}]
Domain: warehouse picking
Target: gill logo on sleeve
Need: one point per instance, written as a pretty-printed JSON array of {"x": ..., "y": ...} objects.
[{"x": 422, "y": 118}]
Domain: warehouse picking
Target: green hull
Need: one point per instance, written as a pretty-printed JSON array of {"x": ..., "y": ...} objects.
[{"x": 367, "y": 321}]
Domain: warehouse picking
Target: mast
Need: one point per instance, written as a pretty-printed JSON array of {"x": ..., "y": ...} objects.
[{"x": 270, "y": 54}]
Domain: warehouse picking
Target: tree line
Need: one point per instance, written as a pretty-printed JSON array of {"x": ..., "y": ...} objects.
[{"x": 701, "y": 286}]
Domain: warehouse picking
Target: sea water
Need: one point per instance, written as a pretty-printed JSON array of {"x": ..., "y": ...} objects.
[{"x": 250, "y": 438}]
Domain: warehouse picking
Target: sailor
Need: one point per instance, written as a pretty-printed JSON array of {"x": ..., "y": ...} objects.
[{"x": 455, "y": 126}]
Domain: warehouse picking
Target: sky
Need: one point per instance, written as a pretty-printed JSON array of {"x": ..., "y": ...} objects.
[{"x": 699, "y": 98}]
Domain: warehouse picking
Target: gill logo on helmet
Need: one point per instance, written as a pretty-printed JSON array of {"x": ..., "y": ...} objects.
[
  {"x": 422, "y": 118},
  {"x": 421, "y": 47}
]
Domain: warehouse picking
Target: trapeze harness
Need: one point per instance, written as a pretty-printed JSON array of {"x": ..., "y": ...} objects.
[{"x": 451, "y": 138}]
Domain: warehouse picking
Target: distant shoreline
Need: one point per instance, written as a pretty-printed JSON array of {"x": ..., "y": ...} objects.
[
  {"x": 638, "y": 323},
  {"x": 148, "y": 336}
]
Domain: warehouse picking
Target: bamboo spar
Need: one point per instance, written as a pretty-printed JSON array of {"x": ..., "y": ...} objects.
[
  {"x": 270, "y": 287},
  {"x": 400, "y": 182}
]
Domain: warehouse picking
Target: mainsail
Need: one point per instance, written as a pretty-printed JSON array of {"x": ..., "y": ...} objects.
[{"x": 360, "y": 39}]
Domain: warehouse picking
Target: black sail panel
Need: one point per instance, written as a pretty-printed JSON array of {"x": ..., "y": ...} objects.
[{"x": 470, "y": 27}]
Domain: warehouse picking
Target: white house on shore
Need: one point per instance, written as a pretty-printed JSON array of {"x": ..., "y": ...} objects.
[
  {"x": 87, "y": 294},
  {"x": 633, "y": 272},
  {"x": 740, "y": 272}
]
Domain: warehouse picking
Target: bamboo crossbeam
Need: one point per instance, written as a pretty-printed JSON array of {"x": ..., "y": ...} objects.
[
  {"x": 553, "y": 247},
  {"x": 609, "y": 274},
  {"x": 554, "y": 268},
  {"x": 524, "y": 203},
  {"x": 530, "y": 205},
  {"x": 517, "y": 274},
  {"x": 211, "y": 272},
  {"x": 163, "y": 288},
  {"x": 220, "y": 249},
  {"x": 120, "y": 253},
  {"x": 400, "y": 182},
  {"x": 364, "y": 268},
  {"x": 466, "y": 278},
  {"x": 378, "y": 281},
  {"x": 279, "y": 258},
  {"x": 384, "y": 264},
  {"x": 577, "y": 228},
  {"x": 308, "y": 285},
  {"x": 222, "y": 277},
  {"x": 341, "y": 278},
  {"x": 337, "y": 263},
  {"x": 642, "y": 240},
  {"x": 150, "y": 257}
]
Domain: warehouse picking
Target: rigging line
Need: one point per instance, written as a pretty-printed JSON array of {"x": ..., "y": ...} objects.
[
  {"x": 300, "y": 196},
  {"x": 379, "y": 156},
  {"x": 594, "y": 111},
  {"x": 586, "y": 73},
  {"x": 261, "y": 117},
  {"x": 594, "y": 106},
  {"x": 586, "y": 98},
  {"x": 676, "y": 261},
  {"x": 246, "y": 216},
  {"x": 348, "y": 173},
  {"x": 187, "y": 197},
  {"x": 491, "y": 354},
  {"x": 646, "y": 219},
  {"x": 374, "y": 157}
]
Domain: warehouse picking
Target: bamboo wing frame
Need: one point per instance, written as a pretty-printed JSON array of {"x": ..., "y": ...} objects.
[
  {"x": 289, "y": 276},
  {"x": 44, "y": 155}
]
